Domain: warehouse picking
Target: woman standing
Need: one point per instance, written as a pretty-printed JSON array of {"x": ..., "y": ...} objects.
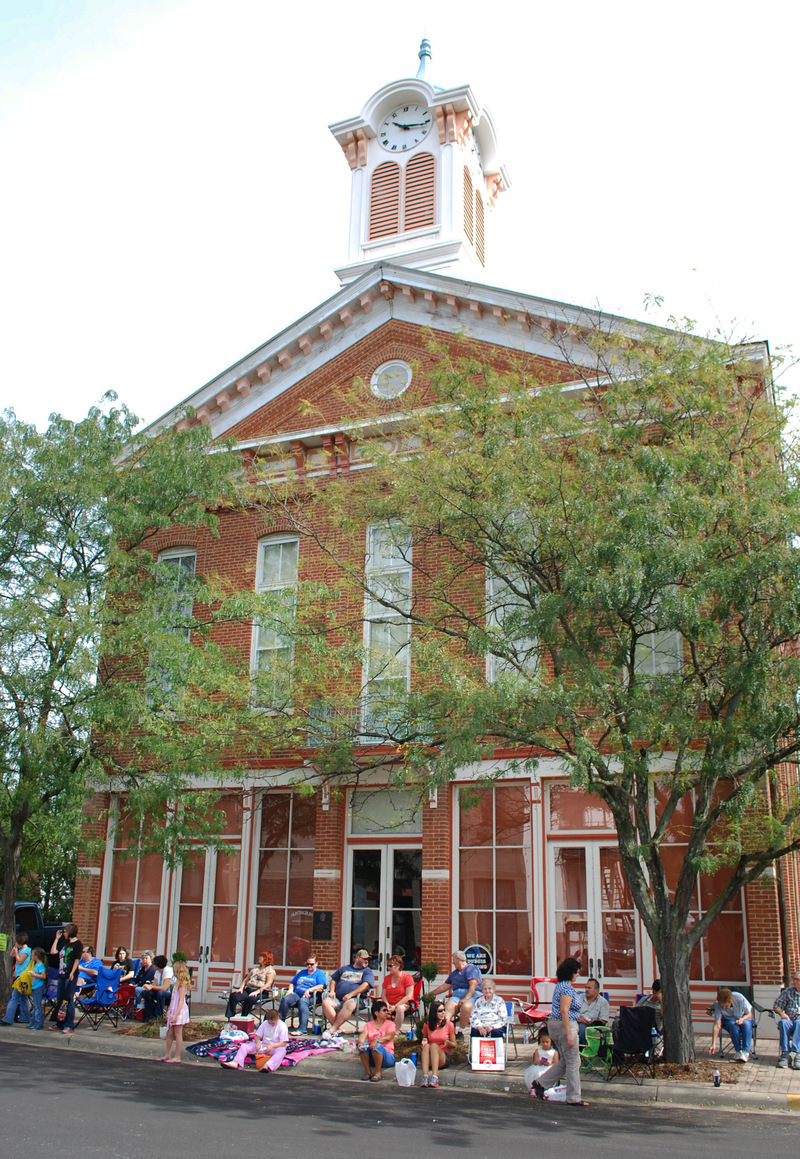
[{"x": 563, "y": 1027}]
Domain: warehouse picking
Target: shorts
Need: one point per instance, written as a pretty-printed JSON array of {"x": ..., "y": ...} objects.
[
  {"x": 459, "y": 995},
  {"x": 388, "y": 1057}
]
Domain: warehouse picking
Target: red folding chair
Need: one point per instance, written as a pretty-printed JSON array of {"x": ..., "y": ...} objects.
[
  {"x": 540, "y": 1009},
  {"x": 412, "y": 1010}
]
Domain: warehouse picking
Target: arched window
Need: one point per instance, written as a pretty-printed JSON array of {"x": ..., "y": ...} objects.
[
  {"x": 468, "y": 220},
  {"x": 384, "y": 202},
  {"x": 480, "y": 242},
  {"x": 420, "y": 192}
]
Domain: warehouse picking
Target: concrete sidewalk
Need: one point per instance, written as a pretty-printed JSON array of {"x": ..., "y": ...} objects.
[{"x": 760, "y": 1085}]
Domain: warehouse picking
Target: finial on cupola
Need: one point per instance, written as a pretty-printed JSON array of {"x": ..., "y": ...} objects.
[{"x": 424, "y": 54}]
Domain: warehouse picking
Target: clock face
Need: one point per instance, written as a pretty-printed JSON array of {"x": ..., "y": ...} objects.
[{"x": 404, "y": 128}]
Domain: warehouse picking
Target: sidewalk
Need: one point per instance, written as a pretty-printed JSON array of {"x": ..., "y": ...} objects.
[{"x": 760, "y": 1086}]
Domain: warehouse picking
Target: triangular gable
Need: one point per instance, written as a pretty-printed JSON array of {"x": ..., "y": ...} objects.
[{"x": 379, "y": 316}]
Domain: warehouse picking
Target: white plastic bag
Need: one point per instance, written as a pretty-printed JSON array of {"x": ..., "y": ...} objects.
[
  {"x": 405, "y": 1072},
  {"x": 556, "y": 1094}
]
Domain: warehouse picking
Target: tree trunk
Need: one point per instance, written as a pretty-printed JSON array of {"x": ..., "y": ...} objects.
[
  {"x": 673, "y": 963},
  {"x": 8, "y": 923}
]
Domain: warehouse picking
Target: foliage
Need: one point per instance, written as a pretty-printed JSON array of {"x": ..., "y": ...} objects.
[
  {"x": 110, "y": 672},
  {"x": 430, "y": 971},
  {"x": 605, "y": 570}
]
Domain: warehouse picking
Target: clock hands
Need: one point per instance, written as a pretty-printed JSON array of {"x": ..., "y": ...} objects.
[{"x": 414, "y": 125}]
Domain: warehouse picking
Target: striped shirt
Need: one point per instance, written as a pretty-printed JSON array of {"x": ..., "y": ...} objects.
[{"x": 574, "y": 1006}]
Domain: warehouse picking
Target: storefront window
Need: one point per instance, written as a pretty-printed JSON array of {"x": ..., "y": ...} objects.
[
  {"x": 285, "y": 887},
  {"x": 721, "y": 955},
  {"x": 135, "y": 896},
  {"x": 494, "y": 873}
]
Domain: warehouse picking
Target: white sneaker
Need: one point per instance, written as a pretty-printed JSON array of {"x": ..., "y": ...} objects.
[
  {"x": 326, "y": 1034},
  {"x": 745, "y": 1056}
]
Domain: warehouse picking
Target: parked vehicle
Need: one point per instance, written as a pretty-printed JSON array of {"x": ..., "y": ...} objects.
[{"x": 30, "y": 922}]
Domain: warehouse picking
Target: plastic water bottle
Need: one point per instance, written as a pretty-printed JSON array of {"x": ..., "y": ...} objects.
[
  {"x": 526, "y": 1036},
  {"x": 717, "y": 1077}
]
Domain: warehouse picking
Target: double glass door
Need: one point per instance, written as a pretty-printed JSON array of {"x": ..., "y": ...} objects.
[
  {"x": 592, "y": 915},
  {"x": 386, "y": 903},
  {"x": 208, "y": 910}
]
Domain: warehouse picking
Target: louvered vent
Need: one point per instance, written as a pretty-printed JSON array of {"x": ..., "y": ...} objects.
[
  {"x": 480, "y": 242},
  {"x": 468, "y": 227},
  {"x": 420, "y": 200},
  {"x": 384, "y": 202}
]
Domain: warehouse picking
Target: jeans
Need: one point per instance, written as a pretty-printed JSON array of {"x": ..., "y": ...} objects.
[
  {"x": 569, "y": 1061},
  {"x": 301, "y": 1001},
  {"x": 789, "y": 1034},
  {"x": 741, "y": 1036},
  {"x": 37, "y": 1016},
  {"x": 16, "y": 1001},
  {"x": 497, "y": 1032},
  {"x": 154, "y": 1001},
  {"x": 66, "y": 993}
]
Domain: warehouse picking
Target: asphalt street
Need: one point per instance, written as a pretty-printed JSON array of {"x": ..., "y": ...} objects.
[{"x": 83, "y": 1105}]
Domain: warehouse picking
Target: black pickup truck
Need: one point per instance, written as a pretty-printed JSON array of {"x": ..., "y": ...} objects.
[{"x": 29, "y": 921}]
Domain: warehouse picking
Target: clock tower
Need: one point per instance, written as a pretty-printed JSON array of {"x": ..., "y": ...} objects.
[{"x": 425, "y": 176}]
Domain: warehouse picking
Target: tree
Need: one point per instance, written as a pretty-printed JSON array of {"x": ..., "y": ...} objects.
[
  {"x": 110, "y": 672},
  {"x": 604, "y": 566}
]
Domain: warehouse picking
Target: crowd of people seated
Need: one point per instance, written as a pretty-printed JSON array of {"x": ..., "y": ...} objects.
[{"x": 468, "y": 1001}]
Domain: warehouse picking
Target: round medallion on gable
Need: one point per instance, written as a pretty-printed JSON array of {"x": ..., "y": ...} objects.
[{"x": 391, "y": 378}]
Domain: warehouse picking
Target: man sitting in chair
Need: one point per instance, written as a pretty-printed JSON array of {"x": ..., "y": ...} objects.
[
  {"x": 346, "y": 985},
  {"x": 735, "y": 1011},
  {"x": 302, "y": 988},
  {"x": 462, "y": 982},
  {"x": 595, "y": 1010},
  {"x": 787, "y": 1012}
]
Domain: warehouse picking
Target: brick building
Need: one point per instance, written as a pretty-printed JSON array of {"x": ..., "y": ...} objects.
[{"x": 533, "y": 872}]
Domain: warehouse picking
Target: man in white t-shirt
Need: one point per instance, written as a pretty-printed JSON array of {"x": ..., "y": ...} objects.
[{"x": 157, "y": 992}]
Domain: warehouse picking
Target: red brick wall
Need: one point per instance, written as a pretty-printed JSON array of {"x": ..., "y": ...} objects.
[
  {"x": 329, "y": 855},
  {"x": 86, "y": 910},
  {"x": 437, "y": 895}
]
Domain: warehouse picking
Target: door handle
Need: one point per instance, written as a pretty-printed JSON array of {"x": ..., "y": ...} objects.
[
  {"x": 591, "y": 967},
  {"x": 599, "y": 969}
]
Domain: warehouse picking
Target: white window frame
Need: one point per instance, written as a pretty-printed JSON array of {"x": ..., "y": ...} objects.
[
  {"x": 375, "y": 614},
  {"x": 261, "y": 587},
  {"x": 496, "y": 666}
]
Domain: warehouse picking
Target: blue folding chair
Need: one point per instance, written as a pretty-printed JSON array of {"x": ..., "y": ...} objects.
[{"x": 103, "y": 1005}]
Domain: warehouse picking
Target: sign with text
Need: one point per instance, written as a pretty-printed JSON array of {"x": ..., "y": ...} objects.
[
  {"x": 480, "y": 956},
  {"x": 487, "y": 1053}
]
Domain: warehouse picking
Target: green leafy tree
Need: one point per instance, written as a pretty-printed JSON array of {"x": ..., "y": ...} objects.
[
  {"x": 111, "y": 674},
  {"x": 603, "y": 568}
]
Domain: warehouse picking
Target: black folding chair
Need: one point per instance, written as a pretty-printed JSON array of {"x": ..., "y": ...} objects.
[{"x": 635, "y": 1044}]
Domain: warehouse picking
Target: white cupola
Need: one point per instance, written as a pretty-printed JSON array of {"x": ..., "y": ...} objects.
[{"x": 425, "y": 177}]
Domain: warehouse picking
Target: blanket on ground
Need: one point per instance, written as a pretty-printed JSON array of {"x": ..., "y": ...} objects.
[{"x": 223, "y": 1050}]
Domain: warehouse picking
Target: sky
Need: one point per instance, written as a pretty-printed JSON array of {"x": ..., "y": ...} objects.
[{"x": 171, "y": 196}]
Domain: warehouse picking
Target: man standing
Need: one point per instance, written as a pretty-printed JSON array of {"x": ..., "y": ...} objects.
[
  {"x": 346, "y": 984},
  {"x": 463, "y": 981},
  {"x": 595, "y": 1010},
  {"x": 305, "y": 984},
  {"x": 787, "y": 1011}
]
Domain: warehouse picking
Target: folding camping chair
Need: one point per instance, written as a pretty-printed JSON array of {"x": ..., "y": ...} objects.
[
  {"x": 103, "y": 1005},
  {"x": 725, "y": 1043},
  {"x": 412, "y": 1010},
  {"x": 535, "y": 1013},
  {"x": 50, "y": 989},
  {"x": 596, "y": 1054},
  {"x": 635, "y": 1044},
  {"x": 510, "y": 1027}
]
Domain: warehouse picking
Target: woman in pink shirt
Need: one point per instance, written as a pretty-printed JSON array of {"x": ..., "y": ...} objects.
[
  {"x": 438, "y": 1039},
  {"x": 376, "y": 1042},
  {"x": 398, "y": 990}
]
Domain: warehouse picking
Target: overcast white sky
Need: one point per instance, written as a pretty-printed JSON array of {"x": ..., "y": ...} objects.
[{"x": 171, "y": 196}]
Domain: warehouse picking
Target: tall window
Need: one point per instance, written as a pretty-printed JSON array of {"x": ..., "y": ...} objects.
[
  {"x": 273, "y": 648},
  {"x": 285, "y": 887},
  {"x": 469, "y": 224},
  {"x": 507, "y": 616},
  {"x": 174, "y": 606},
  {"x": 419, "y": 207},
  {"x": 135, "y": 895},
  {"x": 387, "y": 629},
  {"x": 494, "y": 875},
  {"x": 480, "y": 239},
  {"x": 384, "y": 202},
  {"x": 721, "y": 955}
]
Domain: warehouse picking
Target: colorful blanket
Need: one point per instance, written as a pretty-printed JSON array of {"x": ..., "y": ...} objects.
[{"x": 223, "y": 1050}]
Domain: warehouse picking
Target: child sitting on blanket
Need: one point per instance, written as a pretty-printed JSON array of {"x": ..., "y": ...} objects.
[{"x": 268, "y": 1041}]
